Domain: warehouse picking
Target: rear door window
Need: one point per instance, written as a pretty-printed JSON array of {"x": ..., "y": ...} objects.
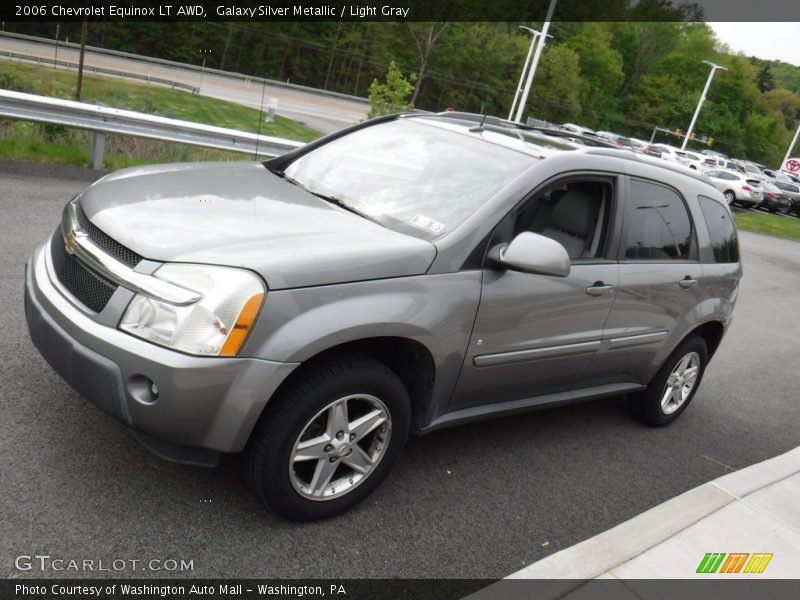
[
  {"x": 724, "y": 242},
  {"x": 658, "y": 227}
]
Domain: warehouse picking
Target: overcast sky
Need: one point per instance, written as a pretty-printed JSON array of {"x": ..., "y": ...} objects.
[{"x": 772, "y": 41}]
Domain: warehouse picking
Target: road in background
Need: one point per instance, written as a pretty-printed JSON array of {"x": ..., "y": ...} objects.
[
  {"x": 319, "y": 111},
  {"x": 480, "y": 500}
]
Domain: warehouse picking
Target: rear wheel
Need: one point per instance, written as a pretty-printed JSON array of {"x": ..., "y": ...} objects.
[
  {"x": 730, "y": 197},
  {"x": 674, "y": 386},
  {"x": 330, "y": 439}
]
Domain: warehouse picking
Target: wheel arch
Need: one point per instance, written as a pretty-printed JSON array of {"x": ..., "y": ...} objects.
[
  {"x": 711, "y": 332},
  {"x": 409, "y": 359}
]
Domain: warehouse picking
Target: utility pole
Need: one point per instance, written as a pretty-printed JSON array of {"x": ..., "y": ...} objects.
[
  {"x": 791, "y": 146},
  {"x": 714, "y": 68},
  {"x": 536, "y": 56},
  {"x": 517, "y": 92},
  {"x": 84, "y": 30},
  {"x": 55, "y": 58}
]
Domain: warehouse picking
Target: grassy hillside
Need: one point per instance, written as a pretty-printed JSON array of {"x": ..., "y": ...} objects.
[{"x": 51, "y": 143}]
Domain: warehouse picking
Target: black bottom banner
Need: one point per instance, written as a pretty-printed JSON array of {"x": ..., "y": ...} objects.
[{"x": 401, "y": 589}]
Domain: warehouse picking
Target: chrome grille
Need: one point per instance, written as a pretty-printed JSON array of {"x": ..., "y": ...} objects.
[
  {"x": 111, "y": 246},
  {"x": 87, "y": 286}
]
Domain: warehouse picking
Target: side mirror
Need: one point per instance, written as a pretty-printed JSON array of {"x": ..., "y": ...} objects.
[{"x": 533, "y": 253}]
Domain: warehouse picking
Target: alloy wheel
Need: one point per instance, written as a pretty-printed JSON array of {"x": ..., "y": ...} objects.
[
  {"x": 340, "y": 447},
  {"x": 680, "y": 383}
]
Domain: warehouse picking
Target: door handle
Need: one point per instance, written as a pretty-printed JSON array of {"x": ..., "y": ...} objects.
[
  {"x": 687, "y": 282},
  {"x": 598, "y": 288}
]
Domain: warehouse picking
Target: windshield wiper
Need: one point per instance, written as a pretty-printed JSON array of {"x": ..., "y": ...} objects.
[{"x": 333, "y": 200}]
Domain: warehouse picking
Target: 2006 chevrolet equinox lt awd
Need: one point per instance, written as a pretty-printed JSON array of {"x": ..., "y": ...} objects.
[{"x": 410, "y": 273}]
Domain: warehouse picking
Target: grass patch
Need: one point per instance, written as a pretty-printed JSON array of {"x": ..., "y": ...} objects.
[
  {"x": 47, "y": 143},
  {"x": 776, "y": 225}
]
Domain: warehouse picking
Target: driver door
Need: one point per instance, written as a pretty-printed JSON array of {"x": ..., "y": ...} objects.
[{"x": 537, "y": 334}]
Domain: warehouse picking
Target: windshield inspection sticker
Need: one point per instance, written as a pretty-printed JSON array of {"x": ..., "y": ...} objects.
[{"x": 426, "y": 223}]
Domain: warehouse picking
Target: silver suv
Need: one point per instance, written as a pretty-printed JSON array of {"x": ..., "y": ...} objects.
[{"x": 408, "y": 274}]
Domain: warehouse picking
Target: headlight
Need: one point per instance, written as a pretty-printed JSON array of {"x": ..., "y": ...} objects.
[{"x": 217, "y": 324}]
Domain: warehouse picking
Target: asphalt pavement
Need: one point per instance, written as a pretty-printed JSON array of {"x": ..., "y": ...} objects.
[{"x": 481, "y": 500}]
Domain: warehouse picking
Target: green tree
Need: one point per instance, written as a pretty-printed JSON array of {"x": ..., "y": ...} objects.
[
  {"x": 554, "y": 96},
  {"x": 392, "y": 95},
  {"x": 764, "y": 79}
]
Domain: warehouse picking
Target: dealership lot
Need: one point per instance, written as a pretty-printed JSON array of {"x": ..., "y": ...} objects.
[{"x": 476, "y": 501}]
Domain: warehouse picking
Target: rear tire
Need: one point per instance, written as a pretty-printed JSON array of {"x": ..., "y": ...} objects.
[
  {"x": 674, "y": 386},
  {"x": 730, "y": 197},
  {"x": 317, "y": 451}
]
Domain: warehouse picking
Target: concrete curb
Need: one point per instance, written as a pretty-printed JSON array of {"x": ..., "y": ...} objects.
[{"x": 604, "y": 552}]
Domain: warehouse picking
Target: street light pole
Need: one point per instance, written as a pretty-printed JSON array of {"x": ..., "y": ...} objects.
[
  {"x": 791, "y": 146},
  {"x": 517, "y": 92},
  {"x": 55, "y": 58},
  {"x": 532, "y": 72},
  {"x": 714, "y": 68}
]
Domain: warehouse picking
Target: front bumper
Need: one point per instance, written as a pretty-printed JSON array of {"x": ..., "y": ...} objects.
[{"x": 202, "y": 403}]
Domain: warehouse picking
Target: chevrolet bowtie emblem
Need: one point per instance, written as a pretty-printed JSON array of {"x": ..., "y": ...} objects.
[{"x": 70, "y": 242}]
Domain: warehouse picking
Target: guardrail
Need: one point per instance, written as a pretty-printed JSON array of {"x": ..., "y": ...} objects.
[
  {"x": 102, "y": 120},
  {"x": 100, "y": 71},
  {"x": 180, "y": 65}
]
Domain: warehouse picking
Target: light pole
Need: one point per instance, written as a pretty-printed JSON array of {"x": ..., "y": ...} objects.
[
  {"x": 714, "y": 68},
  {"x": 535, "y": 37},
  {"x": 791, "y": 146},
  {"x": 55, "y": 58},
  {"x": 537, "y": 54}
]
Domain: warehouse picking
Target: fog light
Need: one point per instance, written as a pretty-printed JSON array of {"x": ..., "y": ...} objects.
[{"x": 143, "y": 389}]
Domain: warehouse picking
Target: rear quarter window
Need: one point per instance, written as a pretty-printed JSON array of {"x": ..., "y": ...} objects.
[{"x": 724, "y": 243}]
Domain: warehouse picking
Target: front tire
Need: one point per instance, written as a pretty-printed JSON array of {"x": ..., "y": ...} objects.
[
  {"x": 326, "y": 442},
  {"x": 674, "y": 386}
]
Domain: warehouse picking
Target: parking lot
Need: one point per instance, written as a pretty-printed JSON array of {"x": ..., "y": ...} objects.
[{"x": 477, "y": 501}]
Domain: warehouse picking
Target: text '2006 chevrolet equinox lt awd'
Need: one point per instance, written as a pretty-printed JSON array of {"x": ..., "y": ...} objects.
[{"x": 407, "y": 274}]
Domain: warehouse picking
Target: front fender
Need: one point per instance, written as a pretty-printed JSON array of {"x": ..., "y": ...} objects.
[{"x": 437, "y": 311}]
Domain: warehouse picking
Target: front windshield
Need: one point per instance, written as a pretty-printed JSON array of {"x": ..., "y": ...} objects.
[{"x": 412, "y": 176}]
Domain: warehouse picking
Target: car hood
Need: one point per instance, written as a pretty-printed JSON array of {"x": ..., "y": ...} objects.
[{"x": 240, "y": 214}]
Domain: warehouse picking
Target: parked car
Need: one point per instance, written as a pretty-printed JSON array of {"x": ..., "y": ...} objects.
[
  {"x": 639, "y": 146},
  {"x": 574, "y": 138},
  {"x": 670, "y": 153},
  {"x": 773, "y": 199},
  {"x": 792, "y": 191},
  {"x": 692, "y": 160},
  {"x": 736, "y": 188},
  {"x": 618, "y": 140},
  {"x": 754, "y": 170},
  {"x": 652, "y": 150},
  {"x": 410, "y": 273},
  {"x": 782, "y": 176},
  {"x": 579, "y": 129},
  {"x": 711, "y": 162}
]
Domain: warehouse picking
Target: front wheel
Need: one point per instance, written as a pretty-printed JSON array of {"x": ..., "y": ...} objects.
[
  {"x": 329, "y": 440},
  {"x": 674, "y": 386}
]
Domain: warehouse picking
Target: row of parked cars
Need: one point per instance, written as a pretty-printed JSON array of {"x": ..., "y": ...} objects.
[{"x": 742, "y": 182}]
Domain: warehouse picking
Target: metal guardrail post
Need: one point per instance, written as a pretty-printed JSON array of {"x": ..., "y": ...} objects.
[{"x": 98, "y": 149}]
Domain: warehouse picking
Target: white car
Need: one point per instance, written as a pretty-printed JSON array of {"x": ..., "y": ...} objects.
[
  {"x": 693, "y": 160},
  {"x": 670, "y": 153},
  {"x": 737, "y": 187}
]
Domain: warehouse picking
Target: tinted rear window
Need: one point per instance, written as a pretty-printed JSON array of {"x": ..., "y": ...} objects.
[
  {"x": 724, "y": 242},
  {"x": 658, "y": 225}
]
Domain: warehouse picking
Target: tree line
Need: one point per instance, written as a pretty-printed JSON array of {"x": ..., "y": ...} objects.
[{"x": 627, "y": 77}]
